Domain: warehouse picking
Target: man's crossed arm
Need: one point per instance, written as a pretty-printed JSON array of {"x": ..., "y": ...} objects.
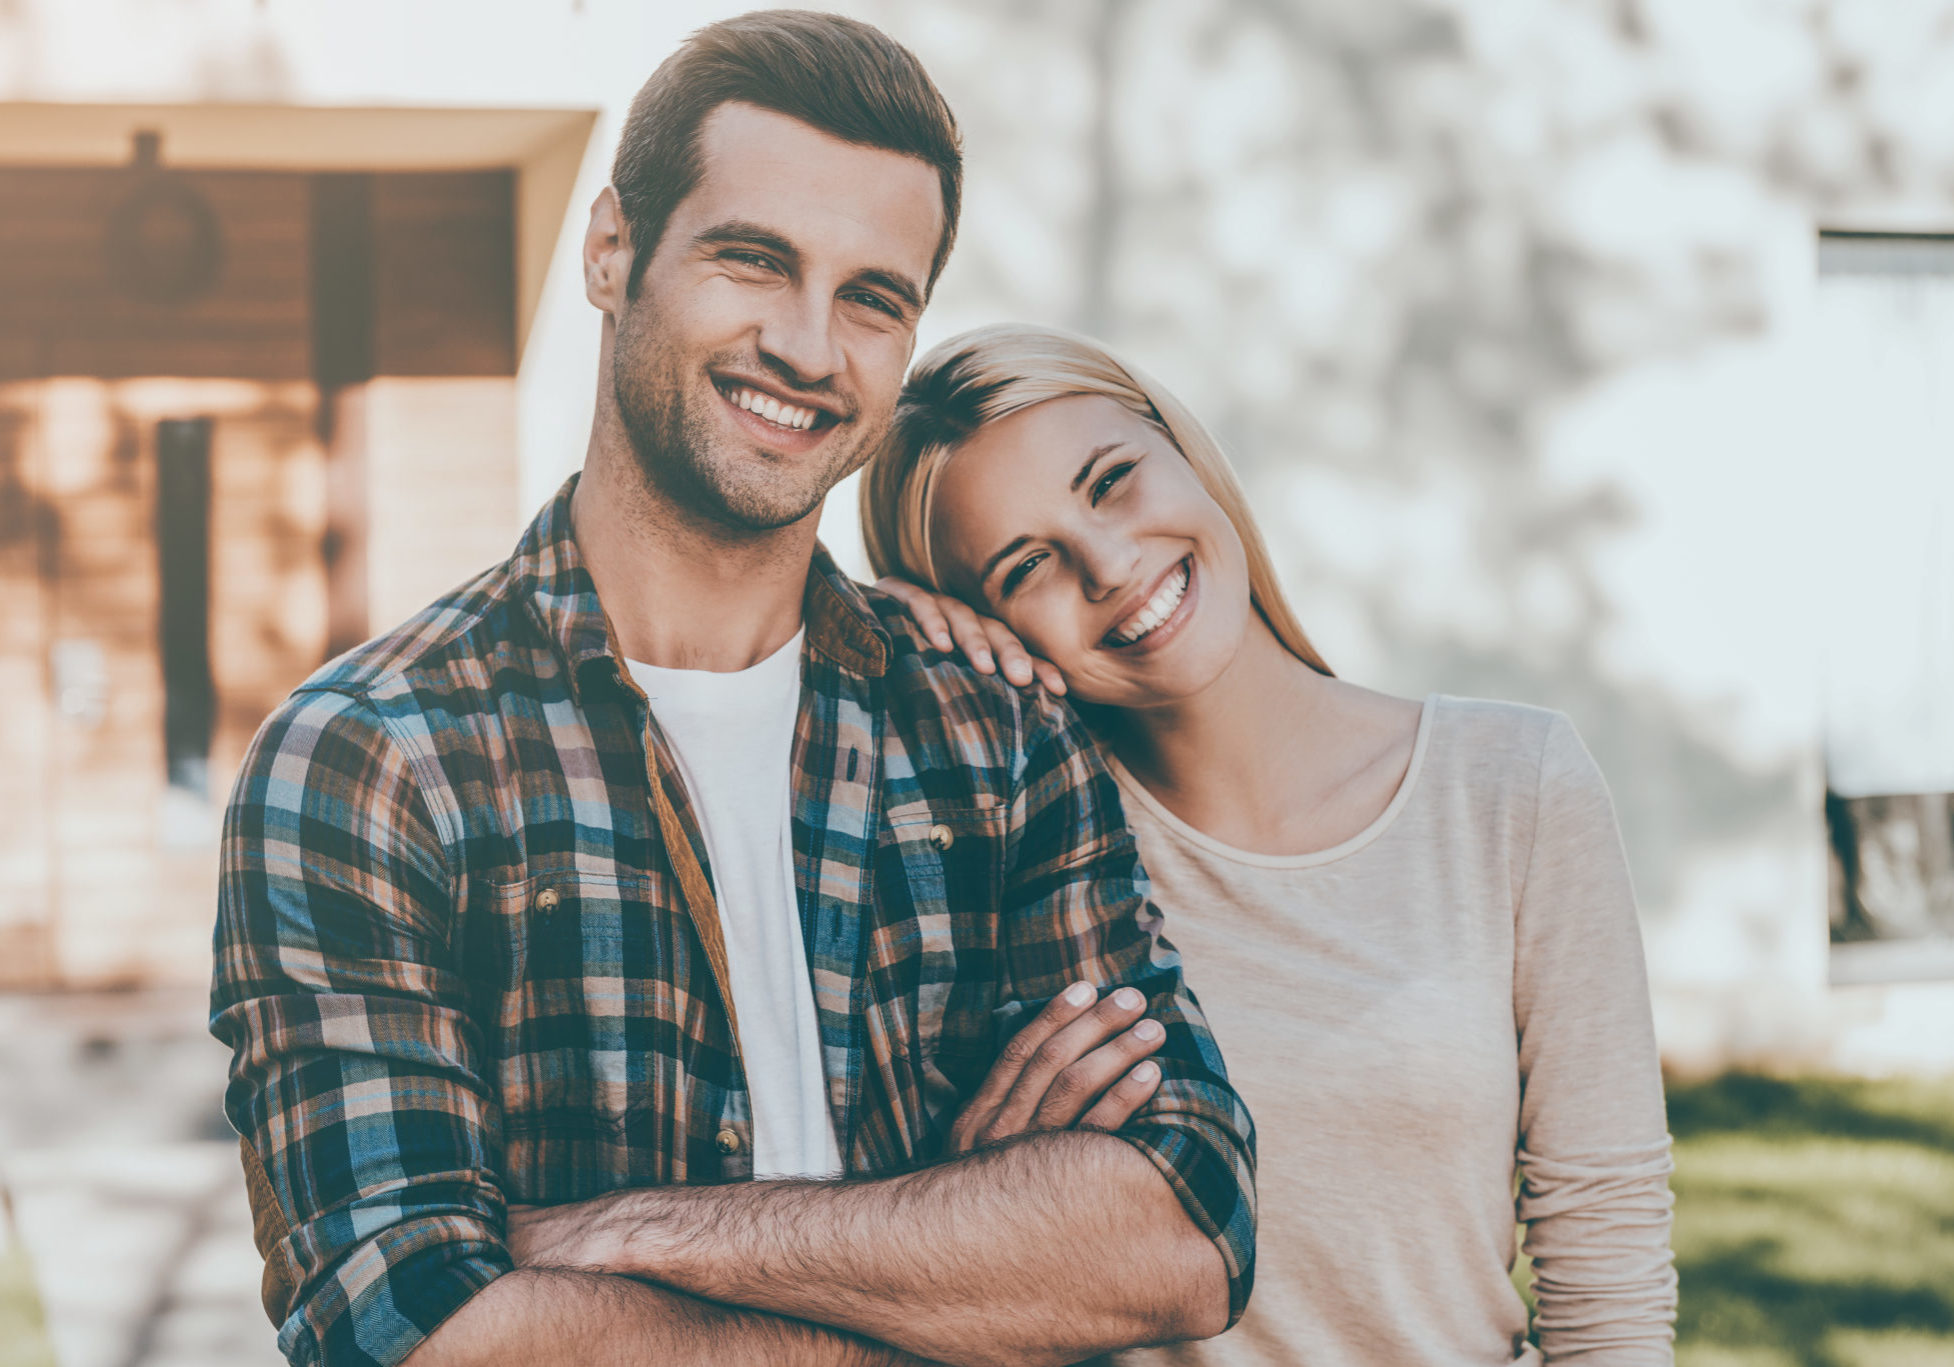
[{"x": 1039, "y": 1247}]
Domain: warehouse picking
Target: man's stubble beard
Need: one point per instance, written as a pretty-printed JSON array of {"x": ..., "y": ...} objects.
[{"x": 681, "y": 457}]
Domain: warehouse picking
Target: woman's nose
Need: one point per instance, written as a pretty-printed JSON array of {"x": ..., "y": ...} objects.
[{"x": 1106, "y": 565}]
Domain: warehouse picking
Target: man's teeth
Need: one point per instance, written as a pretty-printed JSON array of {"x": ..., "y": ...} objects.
[
  {"x": 773, "y": 410},
  {"x": 1157, "y": 609}
]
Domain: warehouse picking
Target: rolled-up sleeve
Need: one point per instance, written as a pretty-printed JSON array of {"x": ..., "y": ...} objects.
[
  {"x": 1077, "y": 906},
  {"x": 356, "y": 1080}
]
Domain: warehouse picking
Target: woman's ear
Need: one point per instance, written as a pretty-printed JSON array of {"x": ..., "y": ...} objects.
[{"x": 607, "y": 254}]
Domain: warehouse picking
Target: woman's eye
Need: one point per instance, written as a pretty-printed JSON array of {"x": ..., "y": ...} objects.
[
  {"x": 1104, "y": 484},
  {"x": 1018, "y": 573}
]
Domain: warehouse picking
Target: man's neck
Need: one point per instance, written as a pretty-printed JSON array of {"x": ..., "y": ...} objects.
[{"x": 680, "y": 592}]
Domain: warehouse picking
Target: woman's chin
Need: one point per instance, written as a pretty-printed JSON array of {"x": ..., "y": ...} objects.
[{"x": 1164, "y": 682}]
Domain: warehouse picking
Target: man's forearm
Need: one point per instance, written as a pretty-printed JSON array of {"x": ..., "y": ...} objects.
[
  {"x": 539, "y": 1317},
  {"x": 1045, "y": 1250}
]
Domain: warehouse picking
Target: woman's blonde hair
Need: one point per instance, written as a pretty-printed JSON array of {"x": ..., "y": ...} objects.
[{"x": 991, "y": 372}]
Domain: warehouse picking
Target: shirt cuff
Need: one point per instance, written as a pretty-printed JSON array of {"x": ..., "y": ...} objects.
[
  {"x": 391, "y": 1292},
  {"x": 1216, "y": 1190}
]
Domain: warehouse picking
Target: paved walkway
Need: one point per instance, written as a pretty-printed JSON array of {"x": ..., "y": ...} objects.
[{"x": 124, "y": 1182}]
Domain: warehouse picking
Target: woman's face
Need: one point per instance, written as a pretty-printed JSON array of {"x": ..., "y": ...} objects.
[{"x": 1084, "y": 529}]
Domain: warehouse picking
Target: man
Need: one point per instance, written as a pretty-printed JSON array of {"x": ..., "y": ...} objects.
[{"x": 661, "y": 857}]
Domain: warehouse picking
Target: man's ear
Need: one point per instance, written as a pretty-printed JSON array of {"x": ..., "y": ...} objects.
[{"x": 606, "y": 254}]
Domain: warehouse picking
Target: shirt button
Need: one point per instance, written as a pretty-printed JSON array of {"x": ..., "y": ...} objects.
[
  {"x": 728, "y": 1142},
  {"x": 942, "y": 836},
  {"x": 547, "y": 899}
]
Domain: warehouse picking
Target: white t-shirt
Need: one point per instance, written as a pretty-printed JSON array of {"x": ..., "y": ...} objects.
[{"x": 733, "y": 736}]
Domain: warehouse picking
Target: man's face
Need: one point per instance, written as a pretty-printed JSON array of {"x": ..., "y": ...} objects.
[{"x": 760, "y": 360}]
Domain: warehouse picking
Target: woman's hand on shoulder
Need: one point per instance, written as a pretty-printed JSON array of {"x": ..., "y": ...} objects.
[{"x": 985, "y": 642}]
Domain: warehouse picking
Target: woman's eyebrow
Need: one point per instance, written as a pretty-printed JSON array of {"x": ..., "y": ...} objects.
[
  {"x": 1085, "y": 471},
  {"x": 1019, "y": 542}
]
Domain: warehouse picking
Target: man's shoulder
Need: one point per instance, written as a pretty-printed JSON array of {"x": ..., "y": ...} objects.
[
  {"x": 917, "y": 668},
  {"x": 449, "y": 643},
  {"x": 940, "y": 688},
  {"x": 439, "y": 660}
]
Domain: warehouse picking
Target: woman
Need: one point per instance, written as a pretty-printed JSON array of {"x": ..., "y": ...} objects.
[{"x": 1410, "y": 924}]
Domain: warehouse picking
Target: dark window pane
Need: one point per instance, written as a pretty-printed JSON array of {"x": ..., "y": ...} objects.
[{"x": 183, "y": 553}]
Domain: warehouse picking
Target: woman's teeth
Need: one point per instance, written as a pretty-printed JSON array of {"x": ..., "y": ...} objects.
[
  {"x": 773, "y": 410},
  {"x": 1157, "y": 609}
]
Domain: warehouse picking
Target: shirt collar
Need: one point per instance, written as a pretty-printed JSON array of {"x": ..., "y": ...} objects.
[{"x": 549, "y": 574}]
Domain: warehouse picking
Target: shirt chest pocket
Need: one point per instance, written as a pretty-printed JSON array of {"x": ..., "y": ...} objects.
[
  {"x": 588, "y": 1025},
  {"x": 939, "y": 864},
  {"x": 933, "y": 959}
]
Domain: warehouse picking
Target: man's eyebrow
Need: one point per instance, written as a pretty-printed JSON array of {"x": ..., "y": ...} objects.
[
  {"x": 899, "y": 285},
  {"x": 739, "y": 232},
  {"x": 1085, "y": 471},
  {"x": 990, "y": 566}
]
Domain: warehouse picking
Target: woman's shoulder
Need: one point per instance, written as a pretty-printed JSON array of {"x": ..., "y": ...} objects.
[{"x": 1491, "y": 743}]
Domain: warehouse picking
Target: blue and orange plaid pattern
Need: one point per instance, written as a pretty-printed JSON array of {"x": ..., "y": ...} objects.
[{"x": 467, "y": 952}]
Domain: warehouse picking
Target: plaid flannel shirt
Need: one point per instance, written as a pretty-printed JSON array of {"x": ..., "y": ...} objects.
[{"x": 467, "y": 952}]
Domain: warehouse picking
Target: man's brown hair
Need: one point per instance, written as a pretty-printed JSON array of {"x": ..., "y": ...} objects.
[{"x": 848, "y": 79}]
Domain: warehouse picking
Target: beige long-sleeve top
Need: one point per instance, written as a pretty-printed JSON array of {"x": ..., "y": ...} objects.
[{"x": 1448, "y": 1000}]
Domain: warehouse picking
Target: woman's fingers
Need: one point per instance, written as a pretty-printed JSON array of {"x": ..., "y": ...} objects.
[
  {"x": 1080, "y": 1086},
  {"x": 973, "y": 1123},
  {"x": 1012, "y": 657},
  {"x": 922, "y": 605},
  {"x": 987, "y": 644},
  {"x": 1049, "y": 676},
  {"x": 1124, "y": 1100},
  {"x": 970, "y": 633}
]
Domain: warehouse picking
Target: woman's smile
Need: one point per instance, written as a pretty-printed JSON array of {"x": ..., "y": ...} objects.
[{"x": 1160, "y": 616}]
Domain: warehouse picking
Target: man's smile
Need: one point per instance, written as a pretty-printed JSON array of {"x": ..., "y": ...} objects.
[{"x": 784, "y": 420}]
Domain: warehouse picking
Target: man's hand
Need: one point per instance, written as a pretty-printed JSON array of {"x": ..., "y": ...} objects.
[
  {"x": 1081, "y": 1064},
  {"x": 1078, "y": 1065}
]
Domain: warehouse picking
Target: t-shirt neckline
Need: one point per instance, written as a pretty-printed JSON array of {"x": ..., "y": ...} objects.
[
  {"x": 660, "y": 682},
  {"x": 1132, "y": 789}
]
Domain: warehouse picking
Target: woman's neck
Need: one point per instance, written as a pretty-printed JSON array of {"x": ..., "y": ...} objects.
[
  {"x": 1272, "y": 756},
  {"x": 1224, "y": 746}
]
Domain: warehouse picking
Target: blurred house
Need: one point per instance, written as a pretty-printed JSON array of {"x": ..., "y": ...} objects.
[
  {"x": 257, "y": 400},
  {"x": 1590, "y": 352}
]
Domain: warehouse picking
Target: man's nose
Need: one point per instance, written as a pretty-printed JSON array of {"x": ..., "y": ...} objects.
[{"x": 799, "y": 334}]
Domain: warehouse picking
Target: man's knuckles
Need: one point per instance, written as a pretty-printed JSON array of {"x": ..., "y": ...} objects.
[{"x": 1021, "y": 1048}]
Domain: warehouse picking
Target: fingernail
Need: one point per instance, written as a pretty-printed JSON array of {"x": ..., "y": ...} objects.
[
  {"x": 1146, "y": 1072},
  {"x": 1148, "y": 1031},
  {"x": 984, "y": 660},
  {"x": 943, "y": 641},
  {"x": 1078, "y": 994},
  {"x": 1126, "y": 999}
]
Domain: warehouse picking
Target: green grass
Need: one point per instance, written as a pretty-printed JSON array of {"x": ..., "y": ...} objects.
[
  {"x": 1814, "y": 1222},
  {"x": 23, "y": 1336}
]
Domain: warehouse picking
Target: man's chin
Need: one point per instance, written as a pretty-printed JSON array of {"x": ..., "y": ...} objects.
[{"x": 757, "y": 511}]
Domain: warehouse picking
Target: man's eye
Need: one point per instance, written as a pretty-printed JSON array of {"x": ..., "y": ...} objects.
[
  {"x": 757, "y": 260},
  {"x": 875, "y": 301},
  {"x": 1018, "y": 573},
  {"x": 1104, "y": 484}
]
